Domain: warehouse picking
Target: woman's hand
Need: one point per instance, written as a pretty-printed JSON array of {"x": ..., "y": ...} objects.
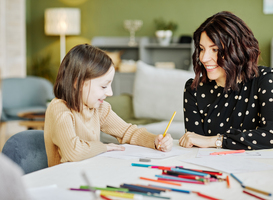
[
  {"x": 191, "y": 139},
  {"x": 114, "y": 147},
  {"x": 165, "y": 143}
]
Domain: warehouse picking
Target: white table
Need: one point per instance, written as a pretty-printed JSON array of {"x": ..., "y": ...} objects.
[{"x": 104, "y": 171}]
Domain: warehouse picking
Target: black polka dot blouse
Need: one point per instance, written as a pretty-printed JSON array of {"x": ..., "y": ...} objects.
[{"x": 244, "y": 117}]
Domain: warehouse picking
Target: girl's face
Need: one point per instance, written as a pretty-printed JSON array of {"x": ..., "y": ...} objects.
[
  {"x": 94, "y": 91},
  {"x": 208, "y": 57}
]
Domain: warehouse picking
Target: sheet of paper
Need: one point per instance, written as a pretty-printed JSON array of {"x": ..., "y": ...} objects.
[
  {"x": 230, "y": 163},
  {"x": 134, "y": 151},
  {"x": 52, "y": 192}
]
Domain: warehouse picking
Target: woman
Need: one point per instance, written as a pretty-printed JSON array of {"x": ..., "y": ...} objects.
[{"x": 229, "y": 103}]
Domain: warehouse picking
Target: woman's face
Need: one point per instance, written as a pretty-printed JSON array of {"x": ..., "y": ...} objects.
[
  {"x": 96, "y": 90},
  {"x": 208, "y": 57}
]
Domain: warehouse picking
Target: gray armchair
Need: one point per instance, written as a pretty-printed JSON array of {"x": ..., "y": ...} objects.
[
  {"x": 29, "y": 94},
  {"x": 27, "y": 149}
]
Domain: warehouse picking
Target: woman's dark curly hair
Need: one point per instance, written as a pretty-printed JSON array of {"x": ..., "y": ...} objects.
[{"x": 238, "y": 49}]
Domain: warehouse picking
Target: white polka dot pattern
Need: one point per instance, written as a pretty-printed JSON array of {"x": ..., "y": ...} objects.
[{"x": 245, "y": 117}]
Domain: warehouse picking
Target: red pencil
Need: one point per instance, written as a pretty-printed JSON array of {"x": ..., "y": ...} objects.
[
  {"x": 105, "y": 197},
  {"x": 205, "y": 196},
  {"x": 253, "y": 195}
]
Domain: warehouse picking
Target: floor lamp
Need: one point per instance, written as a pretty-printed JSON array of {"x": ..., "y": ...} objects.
[{"x": 62, "y": 21}]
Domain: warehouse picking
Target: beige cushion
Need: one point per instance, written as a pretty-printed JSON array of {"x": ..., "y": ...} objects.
[{"x": 159, "y": 92}]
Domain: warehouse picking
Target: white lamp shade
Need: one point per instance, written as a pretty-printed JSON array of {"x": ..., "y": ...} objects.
[{"x": 62, "y": 21}]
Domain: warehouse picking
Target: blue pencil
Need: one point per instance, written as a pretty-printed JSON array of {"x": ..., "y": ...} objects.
[
  {"x": 190, "y": 172},
  {"x": 173, "y": 189},
  {"x": 140, "y": 165},
  {"x": 236, "y": 178}
]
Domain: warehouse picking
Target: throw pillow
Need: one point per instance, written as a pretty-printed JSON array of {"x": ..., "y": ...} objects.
[{"x": 159, "y": 92}]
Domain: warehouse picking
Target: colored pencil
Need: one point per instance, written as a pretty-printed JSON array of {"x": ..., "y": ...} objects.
[
  {"x": 227, "y": 152},
  {"x": 205, "y": 196},
  {"x": 79, "y": 189},
  {"x": 191, "y": 172},
  {"x": 228, "y": 183},
  {"x": 257, "y": 190},
  {"x": 236, "y": 178},
  {"x": 118, "y": 194},
  {"x": 172, "y": 189},
  {"x": 151, "y": 187},
  {"x": 167, "y": 127},
  {"x": 149, "y": 195},
  {"x": 140, "y": 189},
  {"x": 140, "y": 165},
  {"x": 104, "y": 197},
  {"x": 107, "y": 188},
  {"x": 204, "y": 171},
  {"x": 160, "y": 181},
  {"x": 141, "y": 193},
  {"x": 253, "y": 195},
  {"x": 182, "y": 181}
]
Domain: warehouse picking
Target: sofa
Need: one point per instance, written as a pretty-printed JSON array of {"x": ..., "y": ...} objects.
[{"x": 157, "y": 93}]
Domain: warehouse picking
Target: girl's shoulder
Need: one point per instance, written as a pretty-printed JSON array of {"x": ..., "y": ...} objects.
[{"x": 57, "y": 105}]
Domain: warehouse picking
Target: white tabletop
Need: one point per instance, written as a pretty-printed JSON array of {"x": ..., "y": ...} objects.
[{"x": 103, "y": 171}]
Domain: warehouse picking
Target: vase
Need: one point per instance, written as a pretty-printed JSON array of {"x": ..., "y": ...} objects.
[{"x": 164, "y": 37}]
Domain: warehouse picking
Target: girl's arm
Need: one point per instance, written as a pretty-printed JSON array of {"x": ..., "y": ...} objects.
[{"x": 113, "y": 125}]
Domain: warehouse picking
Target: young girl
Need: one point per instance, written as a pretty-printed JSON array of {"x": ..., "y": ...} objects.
[{"x": 76, "y": 116}]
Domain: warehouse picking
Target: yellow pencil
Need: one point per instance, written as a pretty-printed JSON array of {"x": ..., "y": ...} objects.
[
  {"x": 119, "y": 194},
  {"x": 168, "y": 126}
]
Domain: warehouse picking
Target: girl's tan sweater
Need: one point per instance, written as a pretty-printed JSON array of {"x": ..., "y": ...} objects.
[{"x": 74, "y": 136}]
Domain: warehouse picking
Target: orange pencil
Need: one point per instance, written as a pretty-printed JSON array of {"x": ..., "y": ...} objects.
[
  {"x": 228, "y": 183},
  {"x": 160, "y": 181}
]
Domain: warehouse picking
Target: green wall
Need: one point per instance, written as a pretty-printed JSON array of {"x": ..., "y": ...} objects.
[{"x": 105, "y": 18}]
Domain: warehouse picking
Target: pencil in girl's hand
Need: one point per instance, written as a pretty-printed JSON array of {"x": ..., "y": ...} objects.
[{"x": 168, "y": 127}]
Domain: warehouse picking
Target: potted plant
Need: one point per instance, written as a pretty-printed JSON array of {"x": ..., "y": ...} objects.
[{"x": 164, "y": 30}]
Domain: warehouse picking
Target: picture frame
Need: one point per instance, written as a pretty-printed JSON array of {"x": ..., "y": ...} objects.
[{"x": 268, "y": 6}]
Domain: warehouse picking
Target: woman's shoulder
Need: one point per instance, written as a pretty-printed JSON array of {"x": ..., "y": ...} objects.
[{"x": 264, "y": 72}]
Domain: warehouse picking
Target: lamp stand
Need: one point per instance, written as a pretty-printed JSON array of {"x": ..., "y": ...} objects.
[{"x": 62, "y": 47}]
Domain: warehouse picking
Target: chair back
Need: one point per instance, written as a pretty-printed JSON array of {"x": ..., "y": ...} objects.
[
  {"x": 29, "y": 94},
  {"x": 27, "y": 149}
]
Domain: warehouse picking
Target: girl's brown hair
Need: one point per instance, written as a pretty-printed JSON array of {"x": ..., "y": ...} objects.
[
  {"x": 81, "y": 63},
  {"x": 238, "y": 49}
]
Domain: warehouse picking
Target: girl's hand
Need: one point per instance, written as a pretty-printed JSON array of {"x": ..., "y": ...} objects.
[
  {"x": 165, "y": 143},
  {"x": 191, "y": 139},
  {"x": 114, "y": 147}
]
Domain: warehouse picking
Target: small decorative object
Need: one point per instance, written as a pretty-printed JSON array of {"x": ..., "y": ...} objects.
[
  {"x": 185, "y": 39},
  {"x": 164, "y": 31},
  {"x": 116, "y": 57},
  {"x": 132, "y": 26},
  {"x": 165, "y": 65},
  {"x": 127, "y": 66},
  {"x": 164, "y": 37}
]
